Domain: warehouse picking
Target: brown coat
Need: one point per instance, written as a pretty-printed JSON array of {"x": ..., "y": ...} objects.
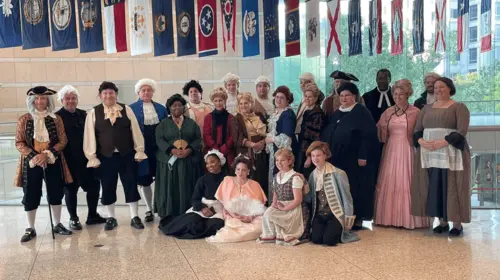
[{"x": 25, "y": 147}]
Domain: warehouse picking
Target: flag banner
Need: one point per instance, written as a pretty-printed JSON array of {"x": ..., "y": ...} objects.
[
  {"x": 186, "y": 39},
  {"x": 207, "y": 27},
  {"x": 375, "y": 31},
  {"x": 90, "y": 22},
  {"x": 250, "y": 26},
  {"x": 10, "y": 24},
  {"x": 418, "y": 27},
  {"x": 485, "y": 25},
  {"x": 138, "y": 13},
  {"x": 354, "y": 19},
  {"x": 271, "y": 29},
  {"x": 163, "y": 27},
  {"x": 397, "y": 27},
  {"x": 334, "y": 21},
  {"x": 440, "y": 42},
  {"x": 228, "y": 19},
  {"x": 35, "y": 25},
  {"x": 116, "y": 36},
  {"x": 313, "y": 42},
  {"x": 63, "y": 25},
  {"x": 463, "y": 25},
  {"x": 292, "y": 30}
]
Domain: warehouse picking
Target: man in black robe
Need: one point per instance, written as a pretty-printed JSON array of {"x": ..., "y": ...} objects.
[{"x": 380, "y": 98}]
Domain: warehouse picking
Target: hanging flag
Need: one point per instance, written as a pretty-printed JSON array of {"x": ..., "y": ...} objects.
[
  {"x": 354, "y": 20},
  {"x": 186, "y": 40},
  {"x": 418, "y": 27},
  {"x": 228, "y": 10},
  {"x": 35, "y": 26},
  {"x": 163, "y": 27},
  {"x": 138, "y": 13},
  {"x": 63, "y": 25},
  {"x": 313, "y": 43},
  {"x": 90, "y": 22},
  {"x": 207, "y": 27},
  {"x": 250, "y": 25},
  {"x": 271, "y": 29},
  {"x": 397, "y": 27},
  {"x": 10, "y": 24},
  {"x": 485, "y": 25},
  {"x": 116, "y": 36},
  {"x": 292, "y": 27},
  {"x": 463, "y": 25},
  {"x": 440, "y": 43},
  {"x": 375, "y": 28},
  {"x": 334, "y": 20}
]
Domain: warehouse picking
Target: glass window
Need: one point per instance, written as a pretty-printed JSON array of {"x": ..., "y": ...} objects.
[
  {"x": 473, "y": 55},
  {"x": 497, "y": 33},
  {"x": 473, "y": 12},
  {"x": 497, "y": 10},
  {"x": 473, "y": 34}
]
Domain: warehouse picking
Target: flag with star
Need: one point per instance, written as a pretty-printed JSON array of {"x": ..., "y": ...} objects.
[
  {"x": 354, "y": 21},
  {"x": 228, "y": 10},
  {"x": 10, "y": 24},
  {"x": 463, "y": 25},
  {"x": 292, "y": 27},
  {"x": 63, "y": 25},
  {"x": 485, "y": 25},
  {"x": 418, "y": 27},
  {"x": 250, "y": 26},
  {"x": 90, "y": 21},
  {"x": 207, "y": 27},
  {"x": 397, "y": 27},
  {"x": 163, "y": 32},
  {"x": 271, "y": 29},
  {"x": 186, "y": 39},
  {"x": 35, "y": 25}
]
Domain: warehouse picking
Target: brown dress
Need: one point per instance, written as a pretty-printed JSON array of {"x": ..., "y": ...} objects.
[{"x": 441, "y": 184}]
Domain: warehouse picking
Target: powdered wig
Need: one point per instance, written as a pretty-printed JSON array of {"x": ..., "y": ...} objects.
[
  {"x": 248, "y": 97},
  {"x": 219, "y": 92},
  {"x": 67, "y": 89},
  {"x": 230, "y": 77},
  {"x": 431, "y": 74},
  {"x": 242, "y": 159},
  {"x": 145, "y": 82},
  {"x": 30, "y": 103},
  {"x": 318, "y": 145},
  {"x": 405, "y": 85},
  {"x": 283, "y": 152},
  {"x": 263, "y": 79},
  {"x": 192, "y": 84},
  {"x": 312, "y": 87}
]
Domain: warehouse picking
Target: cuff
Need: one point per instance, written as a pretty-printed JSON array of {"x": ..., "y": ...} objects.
[
  {"x": 54, "y": 152},
  {"x": 140, "y": 156},
  {"x": 417, "y": 135},
  {"x": 349, "y": 221},
  {"x": 198, "y": 207},
  {"x": 456, "y": 140},
  {"x": 52, "y": 158},
  {"x": 32, "y": 165},
  {"x": 93, "y": 162}
]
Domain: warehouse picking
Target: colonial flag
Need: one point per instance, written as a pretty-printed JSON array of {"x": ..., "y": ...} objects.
[
  {"x": 228, "y": 19},
  {"x": 90, "y": 22},
  {"x": 116, "y": 36},
  {"x": 485, "y": 25},
  {"x": 292, "y": 28},
  {"x": 334, "y": 20},
  {"x": 186, "y": 40},
  {"x": 375, "y": 31},
  {"x": 418, "y": 27},
  {"x": 163, "y": 27},
  {"x": 250, "y": 25},
  {"x": 35, "y": 26},
  {"x": 138, "y": 13},
  {"x": 10, "y": 24},
  {"x": 440, "y": 43},
  {"x": 63, "y": 25},
  {"x": 397, "y": 27},
  {"x": 313, "y": 43},
  {"x": 354, "y": 20},
  {"x": 207, "y": 27},
  {"x": 271, "y": 29},
  {"x": 463, "y": 25}
]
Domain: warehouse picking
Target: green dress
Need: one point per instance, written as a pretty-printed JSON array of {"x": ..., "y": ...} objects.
[{"x": 175, "y": 183}]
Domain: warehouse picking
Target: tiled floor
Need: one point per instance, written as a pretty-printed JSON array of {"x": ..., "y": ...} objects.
[{"x": 126, "y": 253}]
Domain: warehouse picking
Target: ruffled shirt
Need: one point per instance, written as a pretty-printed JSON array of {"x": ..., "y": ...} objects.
[
  {"x": 41, "y": 134},
  {"x": 232, "y": 103},
  {"x": 150, "y": 115},
  {"x": 254, "y": 125}
]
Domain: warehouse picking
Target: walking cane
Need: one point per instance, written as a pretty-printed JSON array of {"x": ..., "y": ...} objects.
[{"x": 48, "y": 202}]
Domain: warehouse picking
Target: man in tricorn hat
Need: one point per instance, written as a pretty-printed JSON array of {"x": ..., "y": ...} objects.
[{"x": 332, "y": 102}]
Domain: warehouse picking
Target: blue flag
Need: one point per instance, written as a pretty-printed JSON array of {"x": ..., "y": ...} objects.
[
  {"x": 163, "y": 27},
  {"x": 90, "y": 22},
  {"x": 271, "y": 29},
  {"x": 36, "y": 33},
  {"x": 186, "y": 38},
  {"x": 418, "y": 27},
  {"x": 354, "y": 20},
  {"x": 10, "y": 24},
  {"x": 63, "y": 25},
  {"x": 250, "y": 17}
]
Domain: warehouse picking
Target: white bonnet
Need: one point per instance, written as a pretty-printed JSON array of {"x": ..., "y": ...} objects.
[
  {"x": 218, "y": 154},
  {"x": 230, "y": 77},
  {"x": 65, "y": 90},
  {"x": 263, "y": 79},
  {"x": 145, "y": 82}
]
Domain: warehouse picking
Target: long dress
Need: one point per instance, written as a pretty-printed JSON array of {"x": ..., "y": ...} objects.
[
  {"x": 393, "y": 199},
  {"x": 193, "y": 224},
  {"x": 441, "y": 180},
  {"x": 245, "y": 200},
  {"x": 175, "y": 180},
  {"x": 313, "y": 122}
]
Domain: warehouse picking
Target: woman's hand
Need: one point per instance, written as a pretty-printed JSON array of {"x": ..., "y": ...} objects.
[
  {"x": 41, "y": 159},
  {"x": 259, "y": 146},
  {"x": 207, "y": 212},
  {"x": 175, "y": 152},
  {"x": 184, "y": 153},
  {"x": 274, "y": 204},
  {"x": 439, "y": 144},
  {"x": 362, "y": 162},
  {"x": 281, "y": 206},
  {"x": 425, "y": 144},
  {"x": 246, "y": 219},
  {"x": 307, "y": 164},
  {"x": 269, "y": 139}
]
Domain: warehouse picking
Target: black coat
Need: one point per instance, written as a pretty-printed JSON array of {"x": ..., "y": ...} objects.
[
  {"x": 421, "y": 101},
  {"x": 372, "y": 98}
]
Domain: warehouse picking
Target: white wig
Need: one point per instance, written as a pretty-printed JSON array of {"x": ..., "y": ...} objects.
[
  {"x": 67, "y": 89},
  {"x": 30, "y": 103},
  {"x": 217, "y": 154},
  {"x": 263, "y": 79},
  {"x": 145, "y": 82},
  {"x": 306, "y": 76},
  {"x": 230, "y": 77},
  {"x": 431, "y": 74}
]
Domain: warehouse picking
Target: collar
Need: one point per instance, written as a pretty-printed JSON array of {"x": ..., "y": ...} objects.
[
  {"x": 43, "y": 114},
  {"x": 347, "y": 109},
  {"x": 384, "y": 95},
  {"x": 286, "y": 176},
  {"x": 113, "y": 108}
]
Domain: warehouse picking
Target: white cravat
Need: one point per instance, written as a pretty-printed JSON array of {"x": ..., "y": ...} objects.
[
  {"x": 383, "y": 94},
  {"x": 431, "y": 98}
]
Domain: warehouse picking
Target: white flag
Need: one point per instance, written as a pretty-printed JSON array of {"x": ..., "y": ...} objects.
[
  {"x": 138, "y": 13},
  {"x": 334, "y": 47},
  {"x": 312, "y": 28}
]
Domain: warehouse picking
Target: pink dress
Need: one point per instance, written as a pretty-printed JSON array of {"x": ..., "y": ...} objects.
[{"x": 393, "y": 198}]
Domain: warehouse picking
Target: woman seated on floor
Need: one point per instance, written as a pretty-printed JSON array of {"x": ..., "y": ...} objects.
[
  {"x": 243, "y": 200},
  {"x": 205, "y": 217}
]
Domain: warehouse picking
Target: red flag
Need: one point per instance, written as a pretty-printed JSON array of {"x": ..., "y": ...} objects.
[
  {"x": 228, "y": 23},
  {"x": 207, "y": 27},
  {"x": 292, "y": 27},
  {"x": 334, "y": 19},
  {"x": 440, "y": 43},
  {"x": 397, "y": 27},
  {"x": 116, "y": 36}
]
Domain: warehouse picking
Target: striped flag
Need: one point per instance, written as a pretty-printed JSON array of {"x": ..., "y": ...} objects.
[
  {"x": 354, "y": 19},
  {"x": 440, "y": 42},
  {"x": 334, "y": 20},
  {"x": 462, "y": 25},
  {"x": 114, "y": 16},
  {"x": 375, "y": 31},
  {"x": 138, "y": 13},
  {"x": 10, "y": 25},
  {"x": 397, "y": 27},
  {"x": 228, "y": 10},
  {"x": 485, "y": 25},
  {"x": 418, "y": 27},
  {"x": 313, "y": 43},
  {"x": 292, "y": 30}
]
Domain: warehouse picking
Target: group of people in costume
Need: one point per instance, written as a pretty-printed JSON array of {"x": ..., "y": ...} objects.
[{"x": 249, "y": 167}]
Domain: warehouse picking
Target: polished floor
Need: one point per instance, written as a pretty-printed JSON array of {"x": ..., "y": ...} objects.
[{"x": 126, "y": 253}]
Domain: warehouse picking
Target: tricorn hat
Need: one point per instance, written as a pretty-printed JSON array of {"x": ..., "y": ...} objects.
[
  {"x": 40, "y": 90},
  {"x": 343, "y": 75}
]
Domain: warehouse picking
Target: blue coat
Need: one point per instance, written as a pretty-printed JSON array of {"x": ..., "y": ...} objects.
[{"x": 286, "y": 124}]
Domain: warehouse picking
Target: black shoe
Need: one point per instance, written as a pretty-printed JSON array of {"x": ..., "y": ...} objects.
[
  {"x": 441, "y": 229},
  {"x": 29, "y": 234},
  {"x": 136, "y": 223},
  {"x": 74, "y": 224},
  {"x": 456, "y": 232},
  {"x": 95, "y": 219},
  {"x": 60, "y": 229},
  {"x": 111, "y": 223},
  {"x": 149, "y": 217}
]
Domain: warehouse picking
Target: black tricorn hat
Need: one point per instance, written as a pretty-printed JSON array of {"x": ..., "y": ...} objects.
[
  {"x": 40, "y": 90},
  {"x": 343, "y": 75}
]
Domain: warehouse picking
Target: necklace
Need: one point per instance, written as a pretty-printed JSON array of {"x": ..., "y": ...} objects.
[{"x": 400, "y": 111}]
